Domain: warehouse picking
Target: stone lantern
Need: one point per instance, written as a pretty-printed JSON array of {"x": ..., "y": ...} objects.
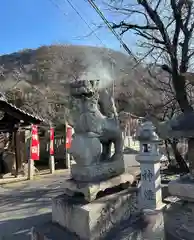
[
  {"x": 149, "y": 142},
  {"x": 149, "y": 159}
]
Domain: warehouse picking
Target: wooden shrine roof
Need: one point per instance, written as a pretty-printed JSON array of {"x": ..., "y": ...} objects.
[{"x": 14, "y": 115}]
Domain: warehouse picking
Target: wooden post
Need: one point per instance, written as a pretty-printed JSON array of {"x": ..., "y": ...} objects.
[
  {"x": 16, "y": 152},
  {"x": 30, "y": 162},
  {"x": 21, "y": 149}
]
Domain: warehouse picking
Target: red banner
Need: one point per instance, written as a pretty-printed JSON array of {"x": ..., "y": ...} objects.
[
  {"x": 35, "y": 145},
  {"x": 51, "y": 141},
  {"x": 68, "y": 137}
]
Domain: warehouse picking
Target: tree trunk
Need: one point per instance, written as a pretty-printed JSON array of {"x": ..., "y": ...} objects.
[
  {"x": 167, "y": 152},
  {"x": 185, "y": 106},
  {"x": 180, "y": 160},
  {"x": 180, "y": 92}
]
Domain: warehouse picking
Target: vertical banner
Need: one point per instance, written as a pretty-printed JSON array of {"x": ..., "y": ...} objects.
[
  {"x": 35, "y": 145},
  {"x": 51, "y": 141},
  {"x": 68, "y": 137}
]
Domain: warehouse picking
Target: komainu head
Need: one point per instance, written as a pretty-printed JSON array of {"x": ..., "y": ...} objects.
[{"x": 84, "y": 88}]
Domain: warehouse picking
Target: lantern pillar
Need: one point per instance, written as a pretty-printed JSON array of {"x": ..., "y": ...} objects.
[{"x": 150, "y": 194}]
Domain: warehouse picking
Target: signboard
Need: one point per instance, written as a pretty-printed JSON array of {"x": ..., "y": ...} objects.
[
  {"x": 68, "y": 137},
  {"x": 51, "y": 141},
  {"x": 35, "y": 144}
]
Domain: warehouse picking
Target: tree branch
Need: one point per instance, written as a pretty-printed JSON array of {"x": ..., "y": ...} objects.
[
  {"x": 133, "y": 26},
  {"x": 149, "y": 37},
  {"x": 157, "y": 20},
  {"x": 177, "y": 15}
]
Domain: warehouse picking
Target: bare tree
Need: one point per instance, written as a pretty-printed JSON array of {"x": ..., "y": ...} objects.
[
  {"x": 165, "y": 32},
  {"x": 166, "y": 109},
  {"x": 56, "y": 63}
]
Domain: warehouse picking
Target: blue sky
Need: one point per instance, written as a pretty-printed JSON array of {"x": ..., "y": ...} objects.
[{"x": 32, "y": 23}]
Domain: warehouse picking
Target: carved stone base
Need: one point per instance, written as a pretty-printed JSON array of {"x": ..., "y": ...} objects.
[
  {"x": 97, "y": 172},
  {"x": 182, "y": 188},
  {"x": 92, "y": 221},
  {"x": 91, "y": 190}
]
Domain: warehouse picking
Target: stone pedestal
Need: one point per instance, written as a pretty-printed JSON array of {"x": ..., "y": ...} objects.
[
  {"x": 92, "y": 221},
  {"x": 182, "y": 188},
  {"x": 97, "y": 172},
  {"x": 91, "y": 190},
  {"x": 95, "y": 202},
  {"x": 154, "y": 220},
  {"x": 180, "y": 218}
]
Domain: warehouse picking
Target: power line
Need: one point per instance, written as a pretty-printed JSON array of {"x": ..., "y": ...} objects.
[
  {"x": 78, "y": 13},
  {"x": 84, "y": 20},
  {"x": 95, "y": 7},
  {"x": 70, "y": 3},
  {"x": 104, "y": 19},
  {"x": 106, "y": 22},
  {"x": 58, "y": 7}
]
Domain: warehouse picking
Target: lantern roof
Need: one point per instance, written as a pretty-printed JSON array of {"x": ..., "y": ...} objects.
[{"x": 147, "y": 133}]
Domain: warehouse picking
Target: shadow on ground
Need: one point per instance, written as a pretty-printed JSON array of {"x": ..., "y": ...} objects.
[
  {"x": 38, "y": 198},
  {"x": 19, "y": 229},
  {"x": 20, "y": 210}
]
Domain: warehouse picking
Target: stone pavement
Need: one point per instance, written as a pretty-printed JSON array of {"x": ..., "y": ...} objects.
[{"x": 26, "y": 204}]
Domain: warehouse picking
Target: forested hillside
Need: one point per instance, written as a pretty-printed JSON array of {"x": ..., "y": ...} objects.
[{"x": 37, "y": 80}]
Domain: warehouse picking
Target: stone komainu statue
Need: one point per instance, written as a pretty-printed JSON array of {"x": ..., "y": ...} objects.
[{"x": 95, "y": 123}]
